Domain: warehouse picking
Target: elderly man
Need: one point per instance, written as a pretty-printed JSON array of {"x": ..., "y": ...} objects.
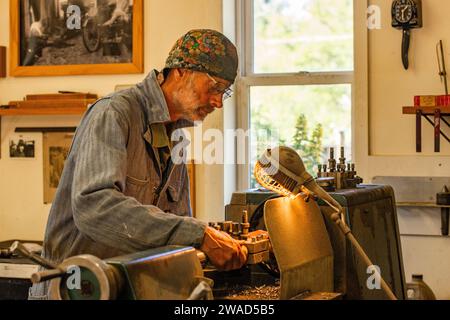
[{"x": 120, "y": 191}]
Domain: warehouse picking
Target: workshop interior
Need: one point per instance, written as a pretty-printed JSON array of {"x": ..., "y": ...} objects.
[{"x": 330, "y": 163}]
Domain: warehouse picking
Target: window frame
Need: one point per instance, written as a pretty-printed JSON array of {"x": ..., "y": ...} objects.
[{"x": 248, "y": 78}]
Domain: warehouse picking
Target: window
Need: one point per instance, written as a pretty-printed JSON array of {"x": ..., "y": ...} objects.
[{"x": 296, "y": 85}]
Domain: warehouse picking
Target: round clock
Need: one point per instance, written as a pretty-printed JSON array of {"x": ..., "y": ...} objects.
[{"x": 403, "y": 10}]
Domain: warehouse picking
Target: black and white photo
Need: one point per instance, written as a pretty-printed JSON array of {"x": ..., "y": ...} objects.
[
  {"x": 57, "y": 37},
  {"x": 21, "y": 148}
]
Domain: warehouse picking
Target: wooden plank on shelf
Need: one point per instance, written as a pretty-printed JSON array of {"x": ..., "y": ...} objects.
[
  {"x": 52, "y": 104},
  {"x": 47, "y": 129},
  {"x": 420, "y": 204},
  {"x": 43, "y": 111},
  {"x": 426, "y": 110},
  {"x": 61, "y": 96}
]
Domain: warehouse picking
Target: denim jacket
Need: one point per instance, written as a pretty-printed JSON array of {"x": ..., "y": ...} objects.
[{"x": 113, "y": 198}]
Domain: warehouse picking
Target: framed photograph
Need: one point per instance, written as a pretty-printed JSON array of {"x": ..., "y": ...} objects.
[
  {"x": 21, "y": 148},
  {"x": 56, "y": 146},
  {"x": 76, "y": 37}
]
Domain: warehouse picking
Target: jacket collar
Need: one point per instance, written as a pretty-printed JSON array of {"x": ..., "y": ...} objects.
[
  {"x": 152, "y": 99},
  {"x": 154, "y": 103}
]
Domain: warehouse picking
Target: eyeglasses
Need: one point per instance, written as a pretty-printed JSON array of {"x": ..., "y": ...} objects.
[{"x": 219, "y": 88}]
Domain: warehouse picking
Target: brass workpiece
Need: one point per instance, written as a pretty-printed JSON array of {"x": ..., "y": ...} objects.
[{"x": 257, "y": 244}]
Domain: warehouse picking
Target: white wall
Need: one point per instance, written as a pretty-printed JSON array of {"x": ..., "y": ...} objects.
[
  {"x": 385, "y": 138},
  {"x": 22, "y": 212}
]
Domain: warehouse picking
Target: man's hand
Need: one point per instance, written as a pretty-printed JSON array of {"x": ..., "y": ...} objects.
[{"x": 224, "y": 252}]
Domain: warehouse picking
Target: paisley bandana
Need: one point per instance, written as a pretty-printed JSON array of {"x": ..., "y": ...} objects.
[{"x": 207, "y": 51}]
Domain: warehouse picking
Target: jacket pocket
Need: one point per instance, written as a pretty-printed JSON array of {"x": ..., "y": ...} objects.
[
  {"x": 136, "y": 188},
  {"x": 137, "y": 181}
]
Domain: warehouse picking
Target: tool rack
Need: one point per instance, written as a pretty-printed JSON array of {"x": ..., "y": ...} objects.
[{"x": 439, "y": 114}]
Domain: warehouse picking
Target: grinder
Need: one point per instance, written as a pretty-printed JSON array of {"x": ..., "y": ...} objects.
[{"x": 443, "y": 199}]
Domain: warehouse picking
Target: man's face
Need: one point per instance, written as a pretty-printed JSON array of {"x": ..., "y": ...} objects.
[{"x": 197, "y": 96}]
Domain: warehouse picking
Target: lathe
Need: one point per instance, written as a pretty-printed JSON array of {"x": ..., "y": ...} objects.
[
  {"x": 167, "y": 273},
  {"x": 306, "y": 257}
]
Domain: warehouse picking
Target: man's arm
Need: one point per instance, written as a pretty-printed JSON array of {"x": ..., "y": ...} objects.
[{"x": 101, "y": 210}]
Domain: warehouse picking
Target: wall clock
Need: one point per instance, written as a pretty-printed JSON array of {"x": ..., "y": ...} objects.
[{"x": 406, "y": 15}]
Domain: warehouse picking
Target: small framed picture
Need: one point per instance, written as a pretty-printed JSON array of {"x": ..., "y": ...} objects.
[
  {"x": 56, "y": 147},
  {"x": 21, "y": 148}
]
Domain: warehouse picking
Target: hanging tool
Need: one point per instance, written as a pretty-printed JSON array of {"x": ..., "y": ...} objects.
[{"x": 441, "y": 64}]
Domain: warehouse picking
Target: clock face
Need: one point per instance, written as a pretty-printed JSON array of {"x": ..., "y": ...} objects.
[{"x": 403, "y": 10}]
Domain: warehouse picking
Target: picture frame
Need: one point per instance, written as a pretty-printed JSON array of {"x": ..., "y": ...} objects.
[
  {"x": 75, "y": 37},
  {"x": 21, "y": 147},
  {"x": 56, "y": 146}
]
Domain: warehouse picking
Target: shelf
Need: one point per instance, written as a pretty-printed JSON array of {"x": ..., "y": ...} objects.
[
  {"x": 43, "y": 111},
  {"x": 439, "y": 114},
  {"x": 445, "y": 212},
  {"x": 427, "y": 110},
  {"x": 420, "y": 204},
  {"x": 55, "y": 111}
]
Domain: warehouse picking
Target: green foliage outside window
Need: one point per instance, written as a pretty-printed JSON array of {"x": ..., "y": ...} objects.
[
  {"x": 293, "y": 36},
  {"x": 309, "y": 146}
]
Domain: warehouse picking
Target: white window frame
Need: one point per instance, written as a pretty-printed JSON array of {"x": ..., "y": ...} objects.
[{"x": 248, "y": 78}]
